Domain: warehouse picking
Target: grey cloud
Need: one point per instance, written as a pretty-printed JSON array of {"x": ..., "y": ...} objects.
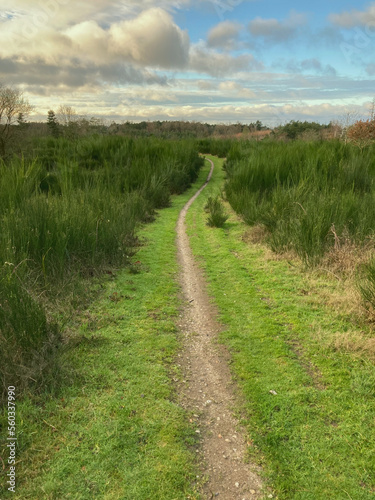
[
  {"x": 224, "y": 35},
  {"x": 311, "y": 65},
  {"x": 328, "y": 35},
  {"x": 349, "y": 19},
  {"x": 206, "y": 85},
  {"x": 75, "y": 75},
  {"x": 275, "y": 30},
  {"x": 203, "y": 60}
]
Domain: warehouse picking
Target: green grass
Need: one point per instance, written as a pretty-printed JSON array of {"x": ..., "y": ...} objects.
[
  {"x": 113, "y": 430},
  {"x": 315, "y": 438}
]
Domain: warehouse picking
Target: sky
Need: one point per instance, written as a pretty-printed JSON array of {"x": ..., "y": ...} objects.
[{"x": 215, "y": 61}]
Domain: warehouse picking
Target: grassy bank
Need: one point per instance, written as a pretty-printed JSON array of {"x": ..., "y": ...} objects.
[
  {"x": 314, "y": 434},
  {"x": 113, "y": 430}
]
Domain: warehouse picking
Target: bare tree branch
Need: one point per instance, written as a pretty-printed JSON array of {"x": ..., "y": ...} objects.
[{"x": 12, "y": 104}]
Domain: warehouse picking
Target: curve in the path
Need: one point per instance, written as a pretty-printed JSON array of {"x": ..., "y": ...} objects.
[{"x": 207, "y": 390}]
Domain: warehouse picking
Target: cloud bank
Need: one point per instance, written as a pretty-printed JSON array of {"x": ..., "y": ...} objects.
[{"x": 144, "y": 59}]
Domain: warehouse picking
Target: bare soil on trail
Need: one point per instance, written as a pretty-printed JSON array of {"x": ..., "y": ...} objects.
[{"x": 207, "y": 389}]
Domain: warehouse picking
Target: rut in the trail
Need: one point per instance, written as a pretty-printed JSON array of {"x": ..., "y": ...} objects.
[{"x": 207, "y": 389}]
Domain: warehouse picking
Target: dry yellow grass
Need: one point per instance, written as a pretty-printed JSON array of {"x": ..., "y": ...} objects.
[
  {"x": 356, "y": 342},
  {"x": 346, "y": 256},
  {"x": 255, "y": 235},
  {"x": 334, "y": 284}
]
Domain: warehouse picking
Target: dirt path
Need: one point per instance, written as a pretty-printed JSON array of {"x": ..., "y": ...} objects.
[{"x": 207, "y": 389}]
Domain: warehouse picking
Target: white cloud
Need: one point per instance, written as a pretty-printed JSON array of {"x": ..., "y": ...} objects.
[
  {"x": 231, "y": 87},
  {"x": 151, "y": 39},
  {"x": 62, "y": 13},
  {"x": 130, "y": 51},
  {"x": 274, "y": 98},
  {"x": 267, "y": 113}
]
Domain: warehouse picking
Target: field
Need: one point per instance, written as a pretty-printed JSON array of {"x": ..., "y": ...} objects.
[{"x": 89, "y": 308}]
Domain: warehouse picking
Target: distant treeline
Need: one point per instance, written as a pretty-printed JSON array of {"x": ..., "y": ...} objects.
[
  {"x": 82, "y": 127},
  {"x": 22, "y": 140},
  {"x": 164, "y": 129}
]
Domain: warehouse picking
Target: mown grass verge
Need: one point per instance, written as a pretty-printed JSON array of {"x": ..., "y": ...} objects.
[
  {"x": 113, "y": 430},
  {"x": 315, "y": 437}
]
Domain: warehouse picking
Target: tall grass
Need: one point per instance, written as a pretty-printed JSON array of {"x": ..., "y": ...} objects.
[
  {"x": 28, "y": 340},
  {"x": 304, "y": 194},
  {"x": 71, "y": 210}
]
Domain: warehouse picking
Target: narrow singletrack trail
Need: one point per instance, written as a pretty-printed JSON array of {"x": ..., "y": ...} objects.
[{"x": 207, "y": 389}]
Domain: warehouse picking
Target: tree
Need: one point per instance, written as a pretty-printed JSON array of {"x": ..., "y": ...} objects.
[
  {"x": 372, "y": 110},
  {"x": 68, "y": 119},
  {"x": 22, "y": 124},
  {"x": 52, "y": 124},
  {"x": 66, "y": 115},
  {"x": 347, "y": 121},
  {"x": 13, "y": 107}
]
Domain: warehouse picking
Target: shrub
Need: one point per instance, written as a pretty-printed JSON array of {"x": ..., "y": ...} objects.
[
  {"x": 362, "y": 133},
  {"x": 216, "y": 147},
  {"x": 217, "y": 216},
  {"x": 298, "y": 130}
]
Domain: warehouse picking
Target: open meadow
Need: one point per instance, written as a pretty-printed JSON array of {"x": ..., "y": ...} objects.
[{"x": 90, "y": 304}]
